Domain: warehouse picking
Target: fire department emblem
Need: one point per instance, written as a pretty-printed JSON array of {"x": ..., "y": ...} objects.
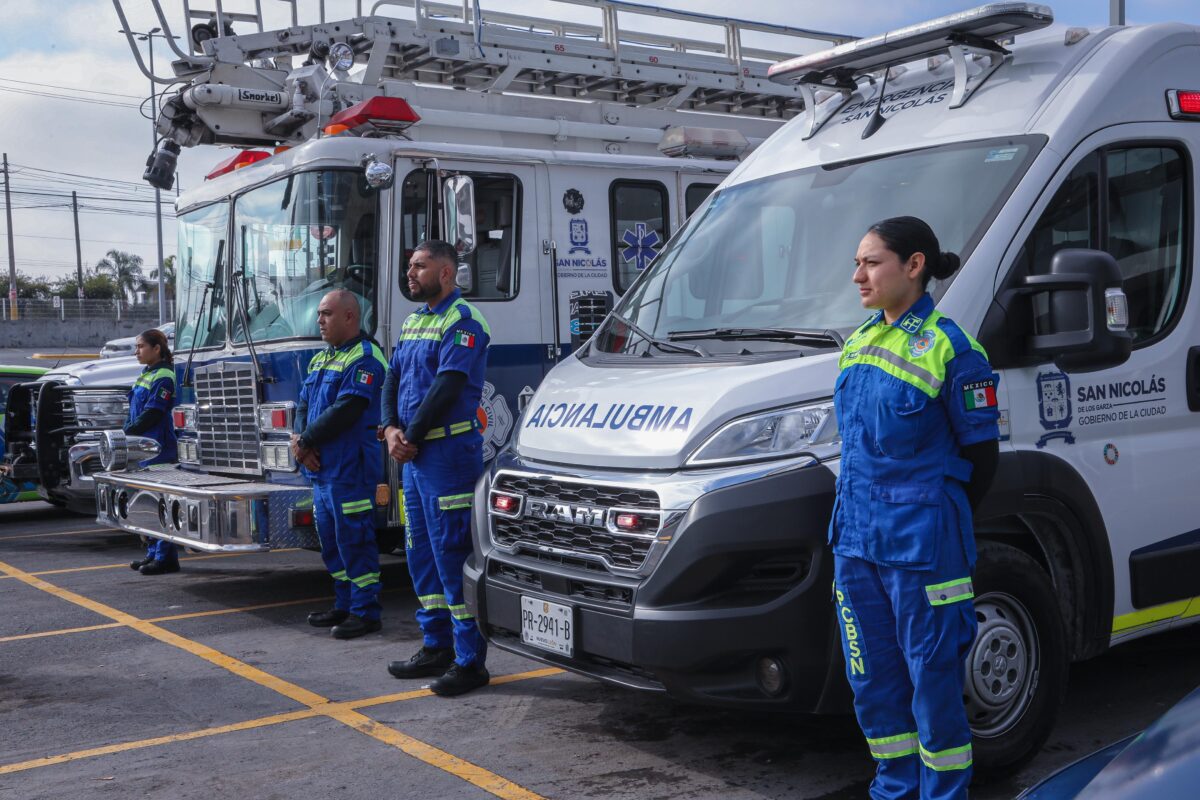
[
  {"x": 498, "y": 421},
  {"x": 919, "y": 345}
]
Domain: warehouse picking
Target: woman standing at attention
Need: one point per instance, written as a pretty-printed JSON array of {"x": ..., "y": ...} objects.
[
  {"x": 916, "y": 407},
  {"x": 150, "y": 402}
]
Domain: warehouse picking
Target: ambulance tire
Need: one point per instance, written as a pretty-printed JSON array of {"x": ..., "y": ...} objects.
[{"x": 1016, "y": 671}]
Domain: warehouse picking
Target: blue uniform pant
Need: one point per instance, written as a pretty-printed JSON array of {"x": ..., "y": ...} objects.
[
  {"x": 905, "y": 635},
  {"x": 162, "y": 550},
  {"x": 439, "y": 486},
  {"x": 344, "y": 514}
]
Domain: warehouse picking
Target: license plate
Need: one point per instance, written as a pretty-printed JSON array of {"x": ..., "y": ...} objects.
[{"x": 550, "y": 626}]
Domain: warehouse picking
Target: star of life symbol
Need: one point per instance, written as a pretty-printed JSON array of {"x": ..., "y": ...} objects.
[
  {"x": 579, "y": 236},
  {"x": 641, "y": 243}
]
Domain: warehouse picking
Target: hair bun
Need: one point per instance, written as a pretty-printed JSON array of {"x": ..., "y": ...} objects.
[{"x": 947, "y": 265}]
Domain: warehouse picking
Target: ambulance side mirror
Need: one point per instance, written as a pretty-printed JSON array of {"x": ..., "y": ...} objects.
[
  {"x": 1075, "y": 315},
  {"x": 458, "y": 200}
]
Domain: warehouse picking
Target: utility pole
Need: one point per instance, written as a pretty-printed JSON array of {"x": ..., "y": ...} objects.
[
  {"x": 78, "y": 249},
  {"x": 1116, "y": 12},
  {"x": 12, "y": 257}
]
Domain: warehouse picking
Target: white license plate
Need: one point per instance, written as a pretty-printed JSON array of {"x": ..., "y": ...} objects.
[{"x": 550, "y": 626}]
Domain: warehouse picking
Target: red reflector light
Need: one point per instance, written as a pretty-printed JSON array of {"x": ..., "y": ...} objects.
[
  {"x": 278, "y": 418},
  {"x": 179, "y": 418},
  {"x": 629, "y": 522},
  {"x": 385, "y": 113},
  {"x": 1189, "y": 102},
  {"x": 243, "y": 158},
  {"x": 504, "y": 503},
  {"x": 302, "y": 517}
]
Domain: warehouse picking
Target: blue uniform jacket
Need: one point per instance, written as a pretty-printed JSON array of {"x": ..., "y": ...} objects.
[
  {"x": 155, "y": 388},
  {"x": 452, "y": 335},
  {"x": 909, "y": 396},
  {"x": 355, "y": 369}
]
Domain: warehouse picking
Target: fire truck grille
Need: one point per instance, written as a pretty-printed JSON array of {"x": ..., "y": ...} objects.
[{"x": 225, "y": 418}]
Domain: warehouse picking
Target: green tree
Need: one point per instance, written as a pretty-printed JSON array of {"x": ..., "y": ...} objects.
[
  {"x": 29, "y": 287},
  {"x": 168, "y": 276},
  {"x": 96, "y": 286},
  {"x": 124, "y": 268}
]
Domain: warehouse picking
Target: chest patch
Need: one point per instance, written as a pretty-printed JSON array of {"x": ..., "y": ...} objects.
[{"x": 920, "y": 344}]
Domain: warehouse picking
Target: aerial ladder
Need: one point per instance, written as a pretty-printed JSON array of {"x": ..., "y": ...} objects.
[{"x": 244, "y": 85}]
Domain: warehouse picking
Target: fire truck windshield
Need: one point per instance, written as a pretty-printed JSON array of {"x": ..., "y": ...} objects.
[{"x": 296, "y": 239}]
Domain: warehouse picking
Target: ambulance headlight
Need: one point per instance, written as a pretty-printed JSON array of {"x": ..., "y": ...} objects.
[{"x": 808, "y": 429}]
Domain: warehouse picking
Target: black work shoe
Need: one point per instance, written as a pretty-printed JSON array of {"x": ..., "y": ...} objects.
[
  {"x": 155, "y": 567},
  {"x": 429, "y": 662},
  {"x": 141, "y": 562},
  {"x": 327, "y": 619},
  {"x": 460, "y": 680},
  {"x": 355, "y": 626}
]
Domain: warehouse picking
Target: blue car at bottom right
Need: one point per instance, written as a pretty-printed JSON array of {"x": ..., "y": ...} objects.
[{"x": 1160, "y": 763}]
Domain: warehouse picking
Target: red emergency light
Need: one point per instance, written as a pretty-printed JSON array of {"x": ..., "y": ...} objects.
[
  {"x": 244, "y": 158},
  {"x": 1184, "y": 103},
  {"x": 505, "y": 503},
  {"x": 180, "y": 419},
  {"x": 632, "y": 523},
  {"x": 279, "y": 418},
  {"x": 389, "y": 114}
]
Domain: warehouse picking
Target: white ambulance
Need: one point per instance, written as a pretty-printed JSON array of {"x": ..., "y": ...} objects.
[{"x": 659, "y": 519}]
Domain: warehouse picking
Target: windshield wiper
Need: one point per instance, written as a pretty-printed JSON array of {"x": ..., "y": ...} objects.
[
  {"x": 814, "y": 336},
  {"x": 666, "y": 347},
  {"x": 208, "y": 285},
  {"x": 240, "y": 299}
]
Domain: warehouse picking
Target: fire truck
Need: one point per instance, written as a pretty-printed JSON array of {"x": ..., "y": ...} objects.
[{"x": 558, "y": 157}]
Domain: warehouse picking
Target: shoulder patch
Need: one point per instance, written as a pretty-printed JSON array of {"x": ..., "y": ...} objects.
[
  {"x": 979, "y": 394},
  {"x": 464, "y": 339},
  {"x": 364, "y": 376}
]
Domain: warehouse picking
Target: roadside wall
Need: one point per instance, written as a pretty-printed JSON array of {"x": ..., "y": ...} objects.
[{"x": 42, "y": 333}]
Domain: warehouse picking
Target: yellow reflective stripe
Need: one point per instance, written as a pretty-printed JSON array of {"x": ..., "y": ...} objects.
[
  {"x": 340, "y": 575},
  {"x": 947, "y": 760},
  {"x": 941, "y": 594},
  {"x": 900, "y": 367},
  {"x": 460, "y": 612},
  {"x": 902, "y": 744},
  {"x": 363, "y": 581},
  {"x": 433, "y": 601},
  {"x": 476, "y": 316},
  {"x": 147, "y": 378},
  {"x": 453, "y": 501},
  {"x": 455, "y": 428},
  {"x": 356, "y": 506},
  {"x": 1148, "y": 616},
  {"x": 433, "y": 336}
]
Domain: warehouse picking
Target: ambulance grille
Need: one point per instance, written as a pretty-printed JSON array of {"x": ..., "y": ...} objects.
[
  {"x": 225, "y": 418},
  {"x": 535, "y": 537}
]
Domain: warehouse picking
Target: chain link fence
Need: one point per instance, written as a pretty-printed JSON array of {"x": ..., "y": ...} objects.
[{"x": 64, "y": 309}]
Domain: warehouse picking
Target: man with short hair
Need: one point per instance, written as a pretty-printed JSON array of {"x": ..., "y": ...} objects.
[
  {"x": 431, "y": 417},
  {"x": 336, "y": 446}
]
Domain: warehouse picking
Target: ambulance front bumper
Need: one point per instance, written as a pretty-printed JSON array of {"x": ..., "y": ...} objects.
[{"x": 211, "y": 513}]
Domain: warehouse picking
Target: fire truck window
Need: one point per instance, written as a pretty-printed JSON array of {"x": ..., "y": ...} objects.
[{"x": 638, "y": 210}]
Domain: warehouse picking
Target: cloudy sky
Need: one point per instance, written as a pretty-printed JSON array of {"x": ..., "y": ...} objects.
[{"x": 70, "y": 94}]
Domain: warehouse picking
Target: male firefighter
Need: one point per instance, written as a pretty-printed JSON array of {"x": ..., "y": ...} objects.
[
  {"x": 337, "y": 448},
  {"x": 431, "y": 400}
]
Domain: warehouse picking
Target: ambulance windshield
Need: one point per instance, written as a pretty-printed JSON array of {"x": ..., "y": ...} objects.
[{"x": 778, "y": 253}]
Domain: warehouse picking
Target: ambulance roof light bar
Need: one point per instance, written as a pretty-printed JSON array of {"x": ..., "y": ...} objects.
[{"x": 968, "y": 32}]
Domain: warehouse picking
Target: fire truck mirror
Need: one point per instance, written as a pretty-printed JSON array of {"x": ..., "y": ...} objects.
[{"x": 458, "y": 199}]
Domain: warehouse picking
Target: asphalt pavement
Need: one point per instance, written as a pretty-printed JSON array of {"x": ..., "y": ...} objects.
[{"x": 209, "y": 683}]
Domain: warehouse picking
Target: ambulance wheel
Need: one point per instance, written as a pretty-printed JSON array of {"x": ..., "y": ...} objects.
[{"x": 1016, "y": 671}]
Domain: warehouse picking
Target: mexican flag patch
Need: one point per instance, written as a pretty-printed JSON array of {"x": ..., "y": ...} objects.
[
  {"x": 165, "y": 394},
  {"x": 464, "y": 339},
  {"x": 364, "y": 376},
  {"x": 980, "y": 394}
]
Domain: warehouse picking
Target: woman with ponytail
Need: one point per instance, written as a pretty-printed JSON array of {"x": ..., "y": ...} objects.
[
  {"x": 150, "y": 402},
  {"x": 916, "y": 408}
]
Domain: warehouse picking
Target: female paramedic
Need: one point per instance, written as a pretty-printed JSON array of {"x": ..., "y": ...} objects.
[
  {"x": 150, "y": 402},
  {"x": 916, "y": 407}
]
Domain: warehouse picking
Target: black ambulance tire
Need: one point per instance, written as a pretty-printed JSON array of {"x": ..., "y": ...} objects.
[{"x": 1017, "y": 610}]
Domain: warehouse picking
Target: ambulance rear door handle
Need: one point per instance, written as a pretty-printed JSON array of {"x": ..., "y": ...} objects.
[{"x": 1193, "y": 379}]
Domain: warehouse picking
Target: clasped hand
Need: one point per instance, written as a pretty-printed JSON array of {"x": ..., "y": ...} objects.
[{"x": 399, "y": 447}]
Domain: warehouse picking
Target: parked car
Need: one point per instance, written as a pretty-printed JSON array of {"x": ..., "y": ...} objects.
[
  {"x": 13, "y": 491},
  {"x": 115, "y": 348},
  {"x": 1160, "y": 763}
]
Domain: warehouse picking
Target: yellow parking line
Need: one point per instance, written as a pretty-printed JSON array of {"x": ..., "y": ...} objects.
[
  {"x": 465, "y": 770},
  {"x": 58, "y": 533},
  {"x": 126, "y": 563},
  {"x": 61, "y": 631},
  {"x": 260, "y": 722}
]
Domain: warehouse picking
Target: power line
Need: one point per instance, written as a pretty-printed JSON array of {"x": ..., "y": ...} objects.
[
  {"x": 72, "y": 238},
  {"x": 50, "y": 96},
  {"x": 70, "y": 88}
]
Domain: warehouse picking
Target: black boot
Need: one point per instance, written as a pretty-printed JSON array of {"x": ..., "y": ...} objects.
[
  {"x": 460, "y": 680},
  {"x": 141, "y": 562},
  {"x": 327, "y": 619},
  {"x": 154, "y": 567},
  {"x": 355, "y": 626},
  {"x": 429, "y": 662}
]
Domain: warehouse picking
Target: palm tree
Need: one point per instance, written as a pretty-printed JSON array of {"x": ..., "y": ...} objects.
[
  {"x": 125, "y": 268},
  {"x": 168, "y": 270}
]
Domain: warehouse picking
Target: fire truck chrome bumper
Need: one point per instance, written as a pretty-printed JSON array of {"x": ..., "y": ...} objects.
[{"x": 204, "y": 512}]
